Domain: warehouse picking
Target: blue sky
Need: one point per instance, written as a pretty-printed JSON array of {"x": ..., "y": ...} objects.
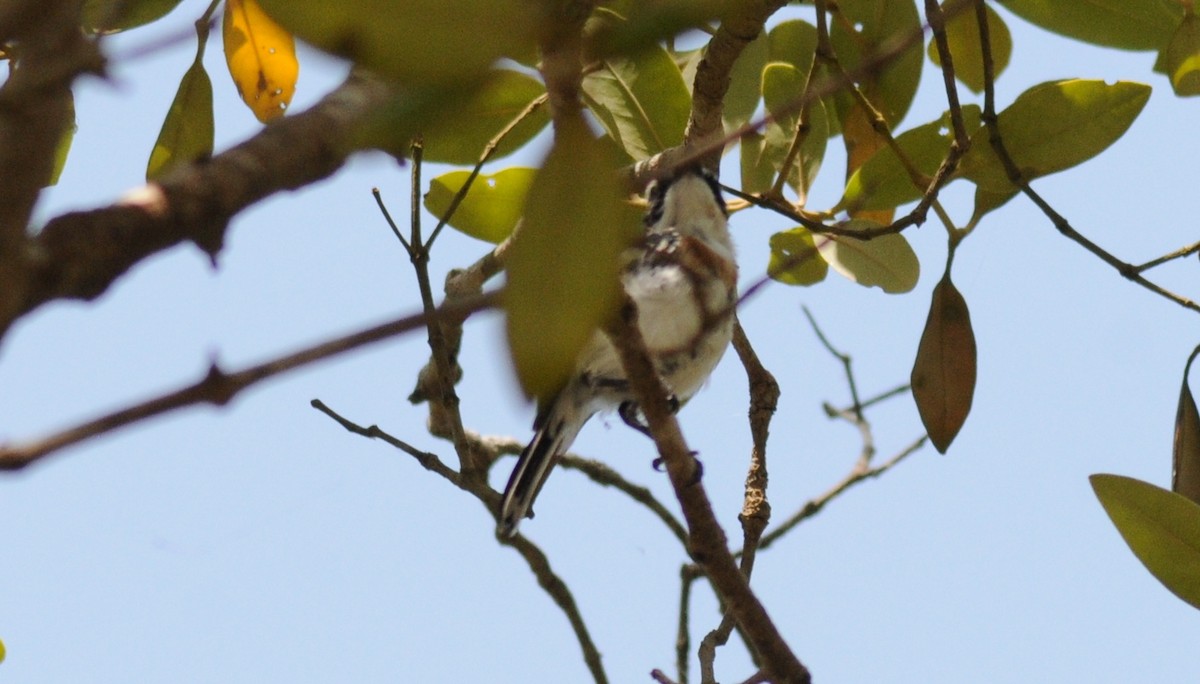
[{"x": 261, "y": 542}]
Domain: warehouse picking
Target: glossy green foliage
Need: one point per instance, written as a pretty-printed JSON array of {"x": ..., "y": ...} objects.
[
  {"x": 884, "y": 182},
  {"x": 563, "y": 264},
  {"x": 860, "y": 31},
  {"x": 886, "y": 262},
  {"x": 492, "y": 206},
  {"x": 745, "y": 83},
  {"x": 641, "y": 101},
  {"x": 783, "y": 86},
  {"x": 64, "y": 147},
  {"x": 416, "y": 42},
  {"x": 1054, "y": 126},
  {"x": 1180, "y": 60},
  {"x": 795, "y": 259},
  {"x": 462, "y": 134},
  {"x": 187, "y": 132},
  {"x": 110, "y": 16},
  {"x": 1127, "y": 24},
  {"x": 624, "y": 27},
  {"x": 1161, "y": 528},
  {"x": 962, "y": 35}
]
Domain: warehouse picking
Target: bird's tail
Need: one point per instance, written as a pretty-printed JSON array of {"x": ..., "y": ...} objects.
[{"x": 555, "y": 432}]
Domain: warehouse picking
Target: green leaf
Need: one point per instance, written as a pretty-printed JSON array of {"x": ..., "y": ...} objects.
[
  {"x": 886, "y": 261},
  {"x": 745, "y": 84},
  {"x": 416, "y": 42},
  {"x": 986, "y": 200},
  {"x": 794, "y": 42},
  {"x": 812, "y": 149},
  {"x": 783, "y": 84},
  {"x": 795, "y": 259},
  {"x": 490, "y": 209},
  {"x": 892, "y": 87},
  {"x": 1125, "y": 24},
  {"x": 1185, "y": 469},
  {"x": 461, "y": 135},
  {"x": 1054, "y": 126},
  {"x": 758, "y": 173},
  {"x": 563, "y": 270},
  {"x": 883, "y": 182},
  {"x": 187, "y": 132},
  {"x": 1181, "y": 58},
  {"x": 110, "y": 16},
  {"x": 64, "y": 147},
  {"x": 1161, "y": 528},
  {"x": 641, "y": 101},
  {"x": 626, "y": 27},
  {"x": 943, "y": 374},
  {"x": 962, "y": 34}
]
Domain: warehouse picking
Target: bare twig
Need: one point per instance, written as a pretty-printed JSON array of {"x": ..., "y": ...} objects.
[
  {"x": 688, "y": 574},
  {"x": 1177, "y": 254},
  {"x": 429, "y": 461},
  {"x": 561, "y": 594},
  {"x": 605, "y": 476},
  {"x": 756, "y": 508},
  {"x": 219, "y": 387},
  {"x": 534, "y": 557},
  {"x": 860, "y": 473}
]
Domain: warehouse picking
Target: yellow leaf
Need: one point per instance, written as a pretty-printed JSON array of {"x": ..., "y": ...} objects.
[{"x": 262, "y": 58}]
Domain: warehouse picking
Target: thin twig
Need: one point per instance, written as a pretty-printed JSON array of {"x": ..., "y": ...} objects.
[
  {"x": 218, "y": 387},
  {"x": 1177, "y": 254},
  {"x": 857, "y": 475},
  {"x": 1017, "y": 178},
  {"x": 534, "y": 557},
  {"x": 845, "y": 360},
  {"x": 602, "y": 474},
  {"x": 561, "y": 594},
  {"x": 428, "y": 460},
  {"x": 688, "y": 574}
]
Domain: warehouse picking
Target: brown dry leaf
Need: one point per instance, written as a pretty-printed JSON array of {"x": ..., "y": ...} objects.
[
  {"x": 1185, "y": 473},
  {"x": 943, "y": 376}
]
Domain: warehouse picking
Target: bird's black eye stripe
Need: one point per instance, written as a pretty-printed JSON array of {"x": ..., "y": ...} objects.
[{"x": 655, "y": 193}]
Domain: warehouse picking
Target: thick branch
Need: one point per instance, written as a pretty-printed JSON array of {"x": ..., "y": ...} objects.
[
  {"x": 35, "y": 104},
  {"x": 78, "y": 255},
  {"x": 707, "y": 543},
  {"x": 712, "y": 74}
]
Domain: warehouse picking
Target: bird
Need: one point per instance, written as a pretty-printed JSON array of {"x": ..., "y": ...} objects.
[{"x": 683, "y": 279}]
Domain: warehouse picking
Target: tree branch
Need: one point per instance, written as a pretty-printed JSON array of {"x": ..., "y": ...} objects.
[
  {"x": 736, "y": 31},
  {"x": 1128, "y": 271},
  {"x": 36, "y": 104},
  {"x": 79, "y": 254},
  {"x": 218, "y": 387},
  {"x": 707, "y": 543},
  {"x": 479, "y": 488}
]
